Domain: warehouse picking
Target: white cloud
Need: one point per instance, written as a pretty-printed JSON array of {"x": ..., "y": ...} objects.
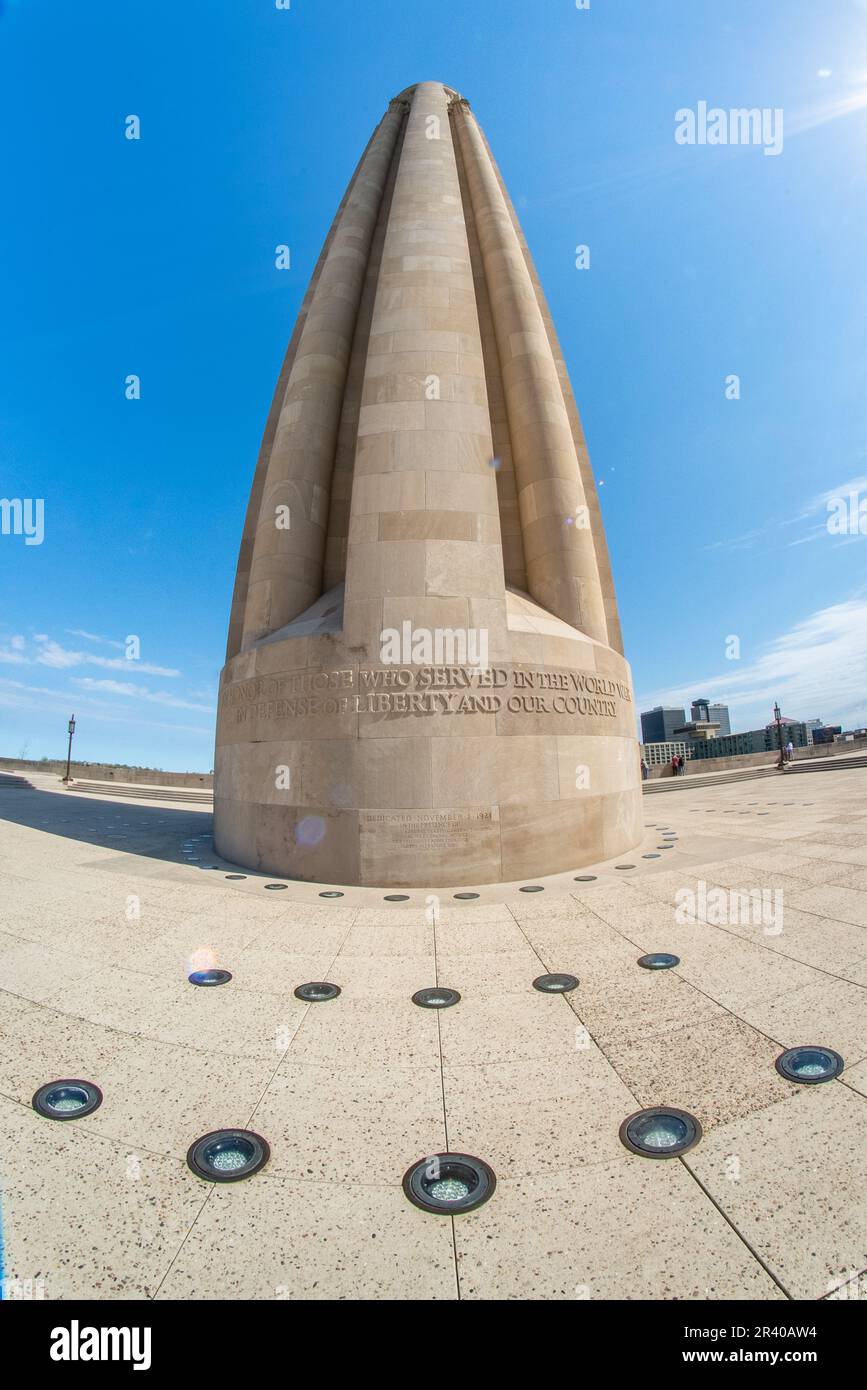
[
  {"x": 93, "y": 637},
  {"x": 120, "y": 663},
  {"x": 813, "y": 516},
  {"x": 17, "y": 695},
  {"x": 51, "y": 653},
  {"x": 137, "y": 692},
  {"x": 818, "y": 669}
]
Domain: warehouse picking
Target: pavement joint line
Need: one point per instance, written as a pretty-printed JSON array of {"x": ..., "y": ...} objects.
[
  {"x": 683, "y": 1157},
  {"x": 615, "y": 913},
  {"x": 445, "y": 1105},
  {"x": 571, "y": 1003},
  {"x": 188, "y": 1233},
  {"x": 820, "y": 970},
  {"x": 854, "y": 1278},
  {"x": 309, "y": 1007},
  {"x": 730, "y": 1012},
  {"x": 740, "y": 1235},
  {"x": 766, "y": 999}
]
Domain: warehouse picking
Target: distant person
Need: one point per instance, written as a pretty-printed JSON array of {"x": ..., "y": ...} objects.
[
  {"x": 674, "y": 764},
  {"x": 645, "y": 770},
  {"x": 790, "y": 750}
]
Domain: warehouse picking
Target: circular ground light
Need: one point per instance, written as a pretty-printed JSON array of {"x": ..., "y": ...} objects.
[
  {"x": 67, "y": 1100},
  {"x": 660, "y": 1132},
  {"x": 465, "y": 897},
  {"x": 436, "y": 998},
  {"x": 331, "y": 893},
  {"x": 555, "y": 984},
  {"x": 275, "y": 887},
  {"x": 624, "y": 866},
  {"x": 809, "y": 1065},
  {"x": 209, "y": 977},
  {"x": 235, "y": 877},
  {"x": 396, "y": 898},
  {"x": 665, "y": 846},
  {"x": 585, "y": 878},
  {"x": 446, "y": 1183},
  {"x": 532, "y": 888},
  {"x": 658, "y": 960},
  {"x": 227, "y": 1155},
  {"x": 650, "y": 856},
  {"x": 317, "y": 992}
]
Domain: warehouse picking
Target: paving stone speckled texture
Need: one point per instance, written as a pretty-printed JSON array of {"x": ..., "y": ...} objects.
[
  {"x": 278, "y": 1239},
  {"x": 94, "y": 953},
  {"x": 91, "y": 1218},
  {"x": 576, "y": 1235},
  {"x": 792, "y": 1179}
]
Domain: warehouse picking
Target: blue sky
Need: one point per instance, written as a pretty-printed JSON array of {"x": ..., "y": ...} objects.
[{"x": 156, "y": 257}]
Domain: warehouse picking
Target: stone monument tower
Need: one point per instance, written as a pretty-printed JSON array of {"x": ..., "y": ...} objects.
[{"x": 424, "y": 680}]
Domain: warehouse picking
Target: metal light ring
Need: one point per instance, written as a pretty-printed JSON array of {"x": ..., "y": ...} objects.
[
  {"x": 93, "y": 1102},
  {"x": 436, "y": 997},
  {"x": 557, "y": 982},
  {"x": 260, "y": 1153},
  {"x": 317, "y": 991},
  {"x": 457, "y": 1165},
  {"x": 693, "y": 1126},
  {"x": 789, "y": 1073}
]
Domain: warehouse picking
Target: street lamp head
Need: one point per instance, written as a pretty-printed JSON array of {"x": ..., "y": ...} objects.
[{"x": 777, "y": 715}]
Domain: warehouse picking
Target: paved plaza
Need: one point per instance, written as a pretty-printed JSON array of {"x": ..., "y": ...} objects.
[{"x": 106, "y": 905}]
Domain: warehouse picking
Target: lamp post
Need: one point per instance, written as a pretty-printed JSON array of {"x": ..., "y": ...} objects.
[
  {"x": 779, "y": 718},
  {"x": 69, "y": 749}
]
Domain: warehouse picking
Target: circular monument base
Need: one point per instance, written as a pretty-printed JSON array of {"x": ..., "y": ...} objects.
[{"x": 444, "y": 773}]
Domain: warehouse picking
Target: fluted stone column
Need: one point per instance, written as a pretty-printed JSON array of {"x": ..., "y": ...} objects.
[
  {"x": 424, "y": 534},
  {"x": 424, "y": 436},
  {"x": 585, "y": 468},
  {"x": 287, "y": 562},
  {"x": 562, "y": 569}
]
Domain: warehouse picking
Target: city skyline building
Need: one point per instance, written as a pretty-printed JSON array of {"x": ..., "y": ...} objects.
[
  {"x": 708, "y": 711},
  {"x": 658, "y": 724}
]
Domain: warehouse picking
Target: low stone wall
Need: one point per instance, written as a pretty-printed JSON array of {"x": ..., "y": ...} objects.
[
  {"x": 702, "y": 766},
  {"x": 101, "y": 772}
]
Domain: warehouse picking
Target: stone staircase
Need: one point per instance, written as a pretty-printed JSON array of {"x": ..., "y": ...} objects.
[
  {"x": 9, "y": 779},
  {"x": 748, "y": 774},
  {"x": 196, "y": 796}
]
